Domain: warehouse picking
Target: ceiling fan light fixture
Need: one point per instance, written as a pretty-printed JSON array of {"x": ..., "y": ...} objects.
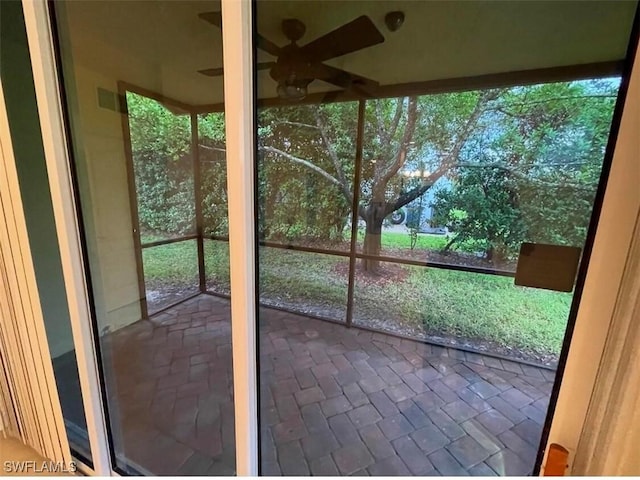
[{"x": 292, "y": 90}]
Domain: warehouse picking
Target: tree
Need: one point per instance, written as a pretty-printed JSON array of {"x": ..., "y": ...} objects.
[
  {"x": 532, "y": 134},
  {"x": 213, "y": 173},
  {"x": 161, "y": 151},
  {"x": 483, "y": 207},
  {"x": 544, "y": 139},
  {"x": 548, "y": 153},
  {"x": 423, "y": 136},
  {"x": 163, "y": 167},
  {"x": 399, "y": 133},
  {"x": 294, "y": 203}
]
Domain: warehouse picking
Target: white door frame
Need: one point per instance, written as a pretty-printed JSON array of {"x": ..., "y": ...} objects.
[
  {"x": 54, "y": 139},
  {"x": 239, "y": 125},
  {"x": 238, "y": 58},
  {"x": 603, "y": 280}
]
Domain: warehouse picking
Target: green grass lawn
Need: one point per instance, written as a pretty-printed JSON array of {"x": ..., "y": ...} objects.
[
  {"x": 471, "y": 305},
  {"x": 438, "y": 301},
  {"x": 403, "y": 240},
  {"x": 174, "y": 263}
]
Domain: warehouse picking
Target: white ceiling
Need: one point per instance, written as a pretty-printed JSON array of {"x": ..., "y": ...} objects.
[{"x": 161, "y": 45}]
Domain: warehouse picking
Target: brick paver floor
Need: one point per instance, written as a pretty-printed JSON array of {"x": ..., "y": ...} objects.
[{"x": 334, "y": 401}]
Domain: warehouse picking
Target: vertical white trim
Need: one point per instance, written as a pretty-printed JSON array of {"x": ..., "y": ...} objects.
[
  {"x": 57, "y": 157},
  {"x": 607, "y": 446},
  {"x": 604, "y": 278},
  {"x": 21, "y": 319},
  {"x": 238, "y": 95},
  {"x": 614, "y": 413}
]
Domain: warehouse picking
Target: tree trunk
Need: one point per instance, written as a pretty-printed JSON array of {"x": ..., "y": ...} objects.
[
  {"x": 373, "y": 218},
  {"x": 489, "y": 253}
]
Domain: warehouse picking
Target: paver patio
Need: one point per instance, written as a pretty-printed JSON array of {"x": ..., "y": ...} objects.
[{"x": 334, "y": 401}]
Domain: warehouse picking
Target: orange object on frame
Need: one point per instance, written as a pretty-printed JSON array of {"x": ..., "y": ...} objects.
[{"x": 557, "y": 461}]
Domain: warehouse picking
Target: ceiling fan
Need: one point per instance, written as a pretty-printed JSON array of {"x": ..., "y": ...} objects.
[{"x": 297, "y": 66}]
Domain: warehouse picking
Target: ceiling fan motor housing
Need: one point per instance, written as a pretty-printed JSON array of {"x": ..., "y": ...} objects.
[
  {"x": 291, "y": 62},
  {"x": 293, "y": 29}
]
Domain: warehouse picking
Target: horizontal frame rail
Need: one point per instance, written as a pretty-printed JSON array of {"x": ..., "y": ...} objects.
[
  {"x": 402, "y": 261},
  {"x": 444, "y": 266},
  {"x": 159, "y": 243},
  {"x": 448, "y": 85},
  {"x": 174, "y": 304},
  {"x": 300, "y": 248},
  {"x": 457, "y": 84}
]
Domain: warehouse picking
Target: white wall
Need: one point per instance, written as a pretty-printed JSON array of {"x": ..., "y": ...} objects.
[
  {"x": 91, "y": 63},
  {"x": 100, "y": 156}
]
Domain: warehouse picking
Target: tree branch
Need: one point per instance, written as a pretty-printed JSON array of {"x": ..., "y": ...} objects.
[
  {"x": 559, "y": 99},
  {"x": 523, "y": 176},
  {"x": 332, "y": 153},
  {"x": 215, "y": 149},
  {"x": 478, "y": 110},
  {"x": 396, "y": 120},
  {"x": 386, "y": 138},
  {"x": 401, "y": 154},
  {"x": 450, "y": 160},
  {"x": 381, "y": 134},
  {"x": 520, "y": 105},
  {"x": 416, "y": 192},
  {"x": 296, "y": 124},
  {"x": 343, "y": 188}
]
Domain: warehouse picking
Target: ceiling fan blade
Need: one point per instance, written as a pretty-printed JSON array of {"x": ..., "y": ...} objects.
[
  {"x": 215, "y": 18},
  {"x": 212, "y": 72},
  {"x": 350, "y": 37},
  {"x": 216, "y": 72},
  {"x": 343, "y": 79},
  {"x": 267, "y": 45}
]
